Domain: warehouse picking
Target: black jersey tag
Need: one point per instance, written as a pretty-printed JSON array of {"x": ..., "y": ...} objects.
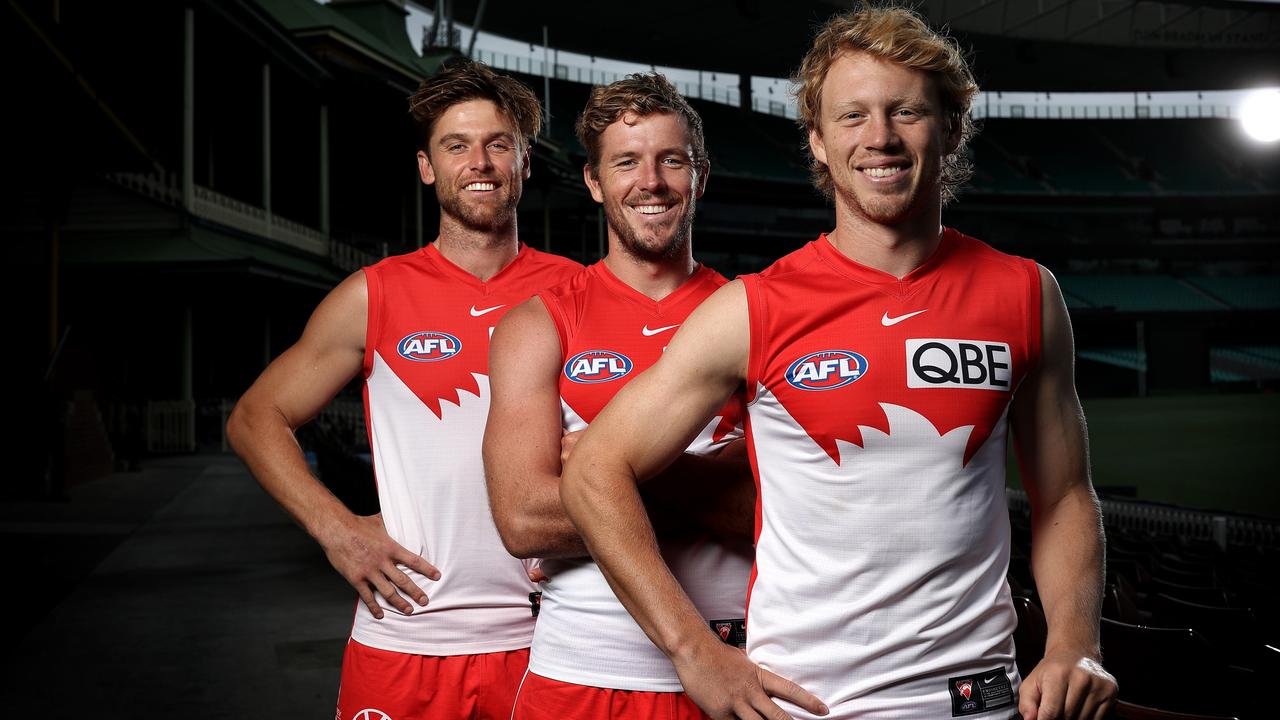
[
  {"x": 535, "y": 602},
  {"x": 732, "y": 631},
  {"x": 979, "y": 692}
]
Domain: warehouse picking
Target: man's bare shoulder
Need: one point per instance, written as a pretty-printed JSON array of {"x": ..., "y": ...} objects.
[
  {"x": 729, "y": 300},
  {"x": 529, "y": 316},
  {"x": 342, "y": 314},
  {"x": 715, "y": 338}
]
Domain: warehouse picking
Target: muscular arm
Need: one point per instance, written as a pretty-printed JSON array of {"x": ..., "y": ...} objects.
[
  {"x": 288, "y": 394},
  {"x": 639, "y": 433},
  {"x": 1067, "y": 539},
  {"x": 523, "y": 451},
  {"x": 522, "y": 437}
]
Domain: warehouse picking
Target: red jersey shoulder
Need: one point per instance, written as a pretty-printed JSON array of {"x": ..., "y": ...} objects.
[
  {"x": 563, "y": 302},
  {"x": 795, "y": 261},
  {"x": 561, "y": 266}
]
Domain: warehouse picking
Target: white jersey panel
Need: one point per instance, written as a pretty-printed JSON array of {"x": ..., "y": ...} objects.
[
  {"x": 882, "y": 576},
  {"x": 425, "y": 463}
]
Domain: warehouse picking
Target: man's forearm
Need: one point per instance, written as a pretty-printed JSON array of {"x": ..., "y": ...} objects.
[
  {"x": 265, "y": 442},
  {"x": 537, "y": 526},
  {"x": 1067, "y": 556},
  {"x": 605, "y": 506}
]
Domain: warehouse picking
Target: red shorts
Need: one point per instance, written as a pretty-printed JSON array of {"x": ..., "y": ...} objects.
[
  {"x": 401, "y": 686},
  {"x": 546, "y": 699}
]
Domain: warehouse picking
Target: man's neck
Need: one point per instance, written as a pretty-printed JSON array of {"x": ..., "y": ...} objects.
[
  {"x": 895, "y": 249},
  {"x": 655, "y": 279},
  {"x": 483, "y": 254}
]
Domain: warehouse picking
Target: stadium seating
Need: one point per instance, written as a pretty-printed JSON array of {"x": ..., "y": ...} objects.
[
  {"x": 1245, "y": 292},
  {"x": 1190, "y": 628},
  {"x": 1136, "y": 293},
  {"x": 1147, "y": 663}
]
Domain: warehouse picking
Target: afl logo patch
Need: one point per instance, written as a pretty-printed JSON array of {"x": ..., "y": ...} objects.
[
  {"x": 429, "y": 346},
  {"x": 597, "y": 366},
  {"x": 826, "y": 370}
]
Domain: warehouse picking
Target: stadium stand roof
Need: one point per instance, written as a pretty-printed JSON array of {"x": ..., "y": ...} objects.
[
  {"x": 1162, "y": 45},
  {"x": 369, "y": 29}
]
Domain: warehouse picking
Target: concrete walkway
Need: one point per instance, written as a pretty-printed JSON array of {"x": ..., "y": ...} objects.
[{"x": 185, "y": 592}]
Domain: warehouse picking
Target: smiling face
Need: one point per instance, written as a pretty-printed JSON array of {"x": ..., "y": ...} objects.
[
  {"x": 882, "y": 134},
  {"x": 476, "y": 164},
  {"x": 648, "y": 183}
]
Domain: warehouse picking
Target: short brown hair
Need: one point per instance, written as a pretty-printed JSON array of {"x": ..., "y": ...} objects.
[
  {"x": 899, "y": 35},
  {"x": 642, "y": 94},
  {"x": 469, "y": 80}
]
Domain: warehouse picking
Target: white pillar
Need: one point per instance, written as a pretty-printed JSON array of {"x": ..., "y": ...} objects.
[
  {"x": 266, "y": 139},
  {"x": 188, "y": 355},
  {"x": 188, "y": 109},
  {"x": 324, "y": 169}
]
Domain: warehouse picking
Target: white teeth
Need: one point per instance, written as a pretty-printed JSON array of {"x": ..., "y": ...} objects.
[
  {"x": 882, "y": 172},
  {"x": 481, "y": 186},
  {"x": 652, "y": 209}
]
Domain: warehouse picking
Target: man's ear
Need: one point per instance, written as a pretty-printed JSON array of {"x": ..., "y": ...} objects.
[
  {"x": 704, "y": 171},
  {"x": 817, "y": 147},
  {"x": 528, "y": 168},
  {"x": 425, "y": 171},
  {"x": 593, "y": 183},
  {"x": 955, "y": 131}
]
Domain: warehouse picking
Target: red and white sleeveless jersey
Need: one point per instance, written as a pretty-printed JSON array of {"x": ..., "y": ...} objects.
[
  {"x": 609, "y": 334},
  {"x": 877, "y": 429},
  {"x": 426, "y": 399}
]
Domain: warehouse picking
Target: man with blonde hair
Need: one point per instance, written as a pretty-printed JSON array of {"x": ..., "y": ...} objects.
[
  {"x": 558, "y": 359},
  {"x": 416, "y": 328},
  {"x": 884, "y": 364}
]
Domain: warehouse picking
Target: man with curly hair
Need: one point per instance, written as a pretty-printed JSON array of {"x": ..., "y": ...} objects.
[{"x": 884, "y": 365}]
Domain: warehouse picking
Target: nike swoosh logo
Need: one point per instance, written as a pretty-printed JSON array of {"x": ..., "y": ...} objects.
[
  {"x": 650, "y": 333},
  {"x": 486, "y": 311},
  {"x": 887, "y": 321},
  {"x": 988, "y": 681}
]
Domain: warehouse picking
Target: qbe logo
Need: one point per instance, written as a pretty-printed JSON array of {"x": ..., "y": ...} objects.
[
  {"x": 597, "y": 366},
  {"x": 429, "y": 346},
  {"x": 826, "y": 370},
  {"x": 971, "y": 364}
]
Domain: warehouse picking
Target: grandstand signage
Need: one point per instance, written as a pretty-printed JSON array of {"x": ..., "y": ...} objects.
[{"x": 948, "y": 363}]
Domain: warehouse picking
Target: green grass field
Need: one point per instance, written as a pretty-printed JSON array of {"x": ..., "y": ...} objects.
[{"x": 1218, "y": 452}]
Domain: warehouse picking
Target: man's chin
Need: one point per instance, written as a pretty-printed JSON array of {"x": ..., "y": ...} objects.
[
  {"x": 483, "y": 220},
  {"x": 883, "y": 210}
]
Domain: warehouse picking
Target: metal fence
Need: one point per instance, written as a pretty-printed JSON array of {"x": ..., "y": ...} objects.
[
  {"x": 1175, "y": 521},
  {"x": 171, "y": 426}
]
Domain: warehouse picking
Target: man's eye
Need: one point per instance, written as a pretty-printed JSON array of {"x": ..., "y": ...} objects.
[
  {"x": 674, "y": 162},
  {"x": 456, "y": 147},
  {"x": 500, "y": 147}
]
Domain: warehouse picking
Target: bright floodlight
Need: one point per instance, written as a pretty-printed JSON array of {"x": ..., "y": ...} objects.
[{"x": 1260, "y": 115}]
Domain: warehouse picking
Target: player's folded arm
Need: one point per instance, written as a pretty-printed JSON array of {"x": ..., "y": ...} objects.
[{"x": 522, "y": 437}]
